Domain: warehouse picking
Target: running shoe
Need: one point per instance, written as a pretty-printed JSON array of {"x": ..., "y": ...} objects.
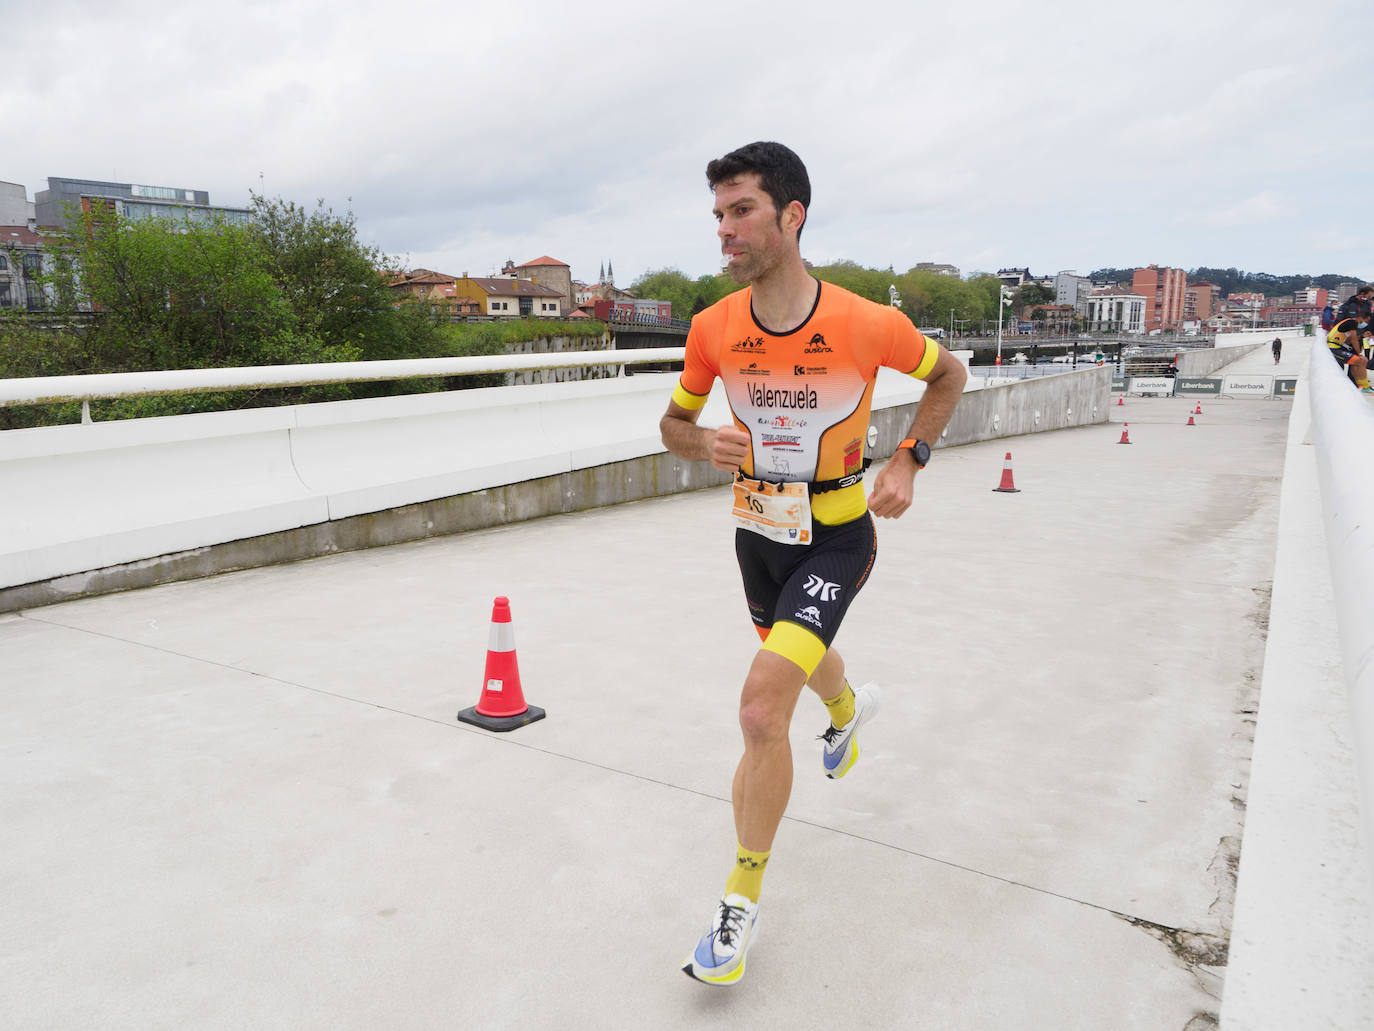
[
  {"x": 719, "y": 956},
  {"x": 841, "y": 750}
]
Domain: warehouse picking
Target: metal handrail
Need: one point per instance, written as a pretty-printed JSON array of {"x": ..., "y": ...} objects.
[{"x": 37, "y": 390}]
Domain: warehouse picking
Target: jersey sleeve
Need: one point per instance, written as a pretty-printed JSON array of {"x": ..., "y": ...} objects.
[
  {"x": 700, "y": 368},
  {"x": 910, "y": 352}
]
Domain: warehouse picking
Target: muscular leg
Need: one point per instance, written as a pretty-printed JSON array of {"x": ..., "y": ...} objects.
[
  {"x": 828, "y": 680},
  {"x": 763, "y": 779}
]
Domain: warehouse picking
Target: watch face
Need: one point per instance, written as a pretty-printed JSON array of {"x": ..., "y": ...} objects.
[{"x": 922, "y": 452}]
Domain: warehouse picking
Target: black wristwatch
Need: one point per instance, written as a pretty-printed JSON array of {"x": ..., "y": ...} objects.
[{"x": 920, "y": 451}]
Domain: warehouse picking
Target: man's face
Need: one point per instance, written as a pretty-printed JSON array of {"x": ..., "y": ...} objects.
[{"x": 751, "y": 239}]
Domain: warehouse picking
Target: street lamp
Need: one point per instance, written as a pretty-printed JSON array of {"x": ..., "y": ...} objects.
[
  {"x": 893, "y": 298},
  {"x": 1005, "y": 298}
]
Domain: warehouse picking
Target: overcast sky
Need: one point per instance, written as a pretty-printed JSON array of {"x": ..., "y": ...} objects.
[{"x": 1061, "y": 135}]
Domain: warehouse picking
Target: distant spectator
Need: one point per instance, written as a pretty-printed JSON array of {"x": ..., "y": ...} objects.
[
  {"x": 1172, "y": 370},
  {"x": 1328, "y": 318},
  {"x": 1277, "y": 349},
  {"x": 1346, "y": 339}
]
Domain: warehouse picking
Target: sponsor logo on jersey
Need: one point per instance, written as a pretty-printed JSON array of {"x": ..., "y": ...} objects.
[
  {"x": 809, "y": 370},
  {"x": 821, "y": 588},
  {"x": 781, "y": 440},
  {"x": 853, "y": 456},
  {"x": 781, "y": 422},
  {"x": 750, "y": 345},
  {"x": 810, "y": 614},
  {"x": 753, "y": 370},
  {"x": 817, "y": 345},
  {"x": 800, "y": 396}
]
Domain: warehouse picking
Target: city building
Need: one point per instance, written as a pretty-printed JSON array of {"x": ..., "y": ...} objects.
[
  {"x": 549, "y": 272},
  {"x": 1311, "y": 295},
  {"x": 1072, "y": 289},
  {"x": 65, "y": 199},
  {"x": 1116, "y": 310},
  {"x": 21, "y": 263},
  {"x": 942, "y": 270},
  {"x": 1344, "y": 292},
  {"x": 1013, "y": 277},
  {"x": 1058, "y": 318},
  {"x": 1199, "y": 301},
  {"x": 1163, "y": 290},
  {"x": 15, "y": 207},
  {"x": 509, "y": 298},
  {"x": 436, "y": 289}
]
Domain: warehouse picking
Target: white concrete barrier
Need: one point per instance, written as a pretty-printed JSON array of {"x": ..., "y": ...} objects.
[
  {"x": 78, "y": 503},
  {"x": 1342, "y": 429}
]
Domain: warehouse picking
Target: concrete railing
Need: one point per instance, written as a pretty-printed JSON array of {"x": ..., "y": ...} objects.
[
  {"x": 92, "y": 508},
  {"x": 1342, "y": 428}
]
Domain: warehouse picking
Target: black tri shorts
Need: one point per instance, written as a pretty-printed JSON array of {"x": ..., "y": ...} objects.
[{"x": 800, "y": 593}]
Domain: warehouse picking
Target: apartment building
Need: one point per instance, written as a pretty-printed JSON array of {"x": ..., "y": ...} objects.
[
  {"x": 1073, "y": 290},
  {"x": 1115, "y": 310},
  {"x": 1163, "y": 290},
  {"x": 21, "y": 265},
  {"x": 15, "y": 207},
  {"x": 509, "y": 298},
  {"x": 66, "y": 199},
  {"x": 1199, "y": 301}
]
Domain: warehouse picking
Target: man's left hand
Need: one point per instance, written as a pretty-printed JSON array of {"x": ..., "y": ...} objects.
[{"x": 893, "y": 487}]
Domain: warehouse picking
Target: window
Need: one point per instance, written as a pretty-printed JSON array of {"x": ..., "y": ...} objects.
[
  {"x": 4, "y": 295},
  {"x": 4, "y": 263},
  {"x": 33, "y": 264}
]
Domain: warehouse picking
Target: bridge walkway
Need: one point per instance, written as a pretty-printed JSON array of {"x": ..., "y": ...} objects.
[{"x": 245, "y": 801}]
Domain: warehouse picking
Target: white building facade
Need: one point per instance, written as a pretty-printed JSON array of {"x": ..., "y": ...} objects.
[{"x": 1117, "y": 312}]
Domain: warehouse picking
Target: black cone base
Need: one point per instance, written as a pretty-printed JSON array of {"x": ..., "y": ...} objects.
[{"x": 500, "y": 723}]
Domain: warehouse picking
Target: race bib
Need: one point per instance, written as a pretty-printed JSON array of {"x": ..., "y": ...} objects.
[{"x": 779, "y": 511}]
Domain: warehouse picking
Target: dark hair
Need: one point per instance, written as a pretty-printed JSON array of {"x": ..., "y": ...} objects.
[
  {"x": 781, "y": 173},
  {"x": 1365, "y": 290}
]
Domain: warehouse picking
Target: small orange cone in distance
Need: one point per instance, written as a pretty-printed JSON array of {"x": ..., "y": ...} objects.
[
  {"x": 502, "y": 706},
  {"x": 1125, "y": 434},
  {"x": 1190, "y": 421},
  {"x": 1199, "y": 409},
  {"x": 1120, "y": 400},
  {"x": 1006, "y": 486}
]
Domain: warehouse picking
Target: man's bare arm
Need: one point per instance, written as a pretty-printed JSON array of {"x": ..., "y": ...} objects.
[{"x": 725, "y": 447}]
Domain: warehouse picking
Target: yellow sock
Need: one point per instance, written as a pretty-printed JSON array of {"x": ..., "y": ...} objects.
[
  {"x": 841, "y": 707},
  {"x": 747, "y": 877},
  {"x": 1362, "y": 383}
]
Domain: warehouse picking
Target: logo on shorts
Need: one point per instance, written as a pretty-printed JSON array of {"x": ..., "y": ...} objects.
[
  {"x": 810, "y": 614},
  {"x": 822, "y": 589}
]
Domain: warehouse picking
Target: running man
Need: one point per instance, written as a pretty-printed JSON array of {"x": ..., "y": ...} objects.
[{"x": 798, "y": 359}]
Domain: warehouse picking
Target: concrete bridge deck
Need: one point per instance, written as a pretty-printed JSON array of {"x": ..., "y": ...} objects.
[{"x": 245, "y": 801}]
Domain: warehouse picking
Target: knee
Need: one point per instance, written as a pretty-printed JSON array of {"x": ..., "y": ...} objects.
[{"x": 762, "y": 721}]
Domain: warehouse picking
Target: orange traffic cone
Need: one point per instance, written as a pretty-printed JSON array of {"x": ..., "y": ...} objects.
[
  {"x": 1120, "y": 400},
  {"x": 1190, "y": 421},
  {"x": 1199, "y": 409},
  {"x": 502, "y": 705},
  {"x": 1007, "y": 486},
  {"x": 1125, "y": 434}
]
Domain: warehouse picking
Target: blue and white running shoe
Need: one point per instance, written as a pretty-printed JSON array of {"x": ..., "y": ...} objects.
[
  {"x": 841, "y": 750},
  {"x": 719, "y": 956}
]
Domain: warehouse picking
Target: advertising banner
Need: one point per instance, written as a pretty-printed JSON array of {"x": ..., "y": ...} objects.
[
  {"x": 1152, "y": 385},
  {"x": 1285, "y": 387},
  {"x": 1196, "y": 386},
  {"x": 1119, "y": 384},
  {"x": 1248, "y": 386}
]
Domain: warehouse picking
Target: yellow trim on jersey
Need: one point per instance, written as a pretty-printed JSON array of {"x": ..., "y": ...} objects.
[
  {"x": 928, "y": 361},
  {"x": 839, "y": 506},
  {"x": 684, "y": 398},
  {"x": 795, "y": 642}
]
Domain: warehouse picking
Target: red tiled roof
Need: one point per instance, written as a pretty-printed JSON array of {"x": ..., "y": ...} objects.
[
  {"x": 545, "y": 260},
  {"x": 514, "y": 288},
  {"x": 19, "y": 234}
]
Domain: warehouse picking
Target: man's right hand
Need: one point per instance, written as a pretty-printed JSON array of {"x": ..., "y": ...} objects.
[{"x": 730, "y": 448}]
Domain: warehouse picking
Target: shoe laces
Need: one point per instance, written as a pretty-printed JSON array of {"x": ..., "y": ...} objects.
[
  {"x": 831, "y": 733},
  {"x": 728, "y": 923}
]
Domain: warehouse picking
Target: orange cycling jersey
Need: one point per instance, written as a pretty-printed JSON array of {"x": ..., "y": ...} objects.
[{"x": 803, "y": 396}]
